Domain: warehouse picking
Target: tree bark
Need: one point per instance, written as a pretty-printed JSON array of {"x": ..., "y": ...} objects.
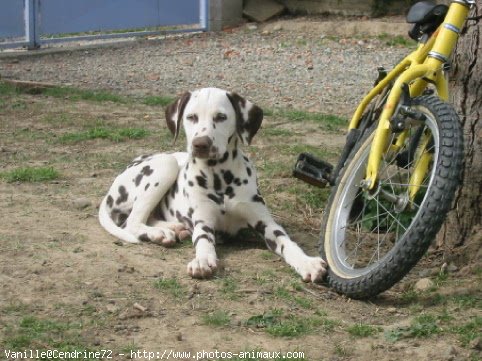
[{"x": 464, "y": 223}]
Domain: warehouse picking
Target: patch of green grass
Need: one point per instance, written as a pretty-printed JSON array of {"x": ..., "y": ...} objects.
[
  {"x": 7, "y": 89},
  {"x": 272, "y": 169},
  {"x": 410, "y": 296},
  {"x": 422, "y": 326},
  {"x": 397, "y": 40},
  {"x": 30, "y": 174},
  {"x": 170, "y": 285},
  {"x": 218, "y": 318},
  {"x": 81, "y": 94},
  {"x": 115, "y": 135},
  {"x": 279, "y": 326},
  {"x": 467, "y": 301},
  {"x": 228, "y": 288},
  {"x": 327, "y": 121},
  {"x": 32, "y": 332},
  {"x": 468, "y": 331},
  {"x": 341, "y": 350},
  {"x": 283, "y": 293},
  {"x": 278, "y": 132},
  {"x": 158, "y": 100},
  {"x": 363, "y": 330}
]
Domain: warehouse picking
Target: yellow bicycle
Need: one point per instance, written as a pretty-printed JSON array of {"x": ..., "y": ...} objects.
[{"x": 399, "y": 170}]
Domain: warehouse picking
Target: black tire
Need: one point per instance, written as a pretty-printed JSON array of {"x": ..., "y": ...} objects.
[{"x": 351, "y": 213}]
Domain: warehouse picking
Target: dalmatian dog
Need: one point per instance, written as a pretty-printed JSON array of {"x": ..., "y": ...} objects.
[{"x": 209, "y": 189}]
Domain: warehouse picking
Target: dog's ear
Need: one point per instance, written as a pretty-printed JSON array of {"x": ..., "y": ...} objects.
[
  {"x": 248, "y": 117},
  {"x": 175, "y": 112}
]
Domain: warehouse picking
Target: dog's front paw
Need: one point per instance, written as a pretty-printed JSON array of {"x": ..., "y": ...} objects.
[
  {"x": 202, "y": 267},
  {"x": 312, "y": 269}
]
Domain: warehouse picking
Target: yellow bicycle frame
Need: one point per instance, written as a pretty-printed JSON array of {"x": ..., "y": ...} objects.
[{"x": 423, "y": 66}]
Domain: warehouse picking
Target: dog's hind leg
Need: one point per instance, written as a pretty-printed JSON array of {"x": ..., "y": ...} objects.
[{"x": 153, "y": 182}]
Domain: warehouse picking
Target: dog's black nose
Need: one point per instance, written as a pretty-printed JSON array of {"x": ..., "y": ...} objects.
[{"x": 201, "y": 146}]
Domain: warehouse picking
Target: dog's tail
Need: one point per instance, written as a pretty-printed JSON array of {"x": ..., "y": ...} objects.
[{"x": 106, "y": 221}]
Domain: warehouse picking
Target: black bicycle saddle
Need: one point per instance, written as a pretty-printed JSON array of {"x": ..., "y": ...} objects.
[{"x": 425, "y": 12}]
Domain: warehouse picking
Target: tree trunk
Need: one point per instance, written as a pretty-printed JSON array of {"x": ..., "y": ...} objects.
[{"x": 463, "y": 225}]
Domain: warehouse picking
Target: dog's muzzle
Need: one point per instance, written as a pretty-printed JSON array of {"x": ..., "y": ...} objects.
[{"x": 202, "y": 147}]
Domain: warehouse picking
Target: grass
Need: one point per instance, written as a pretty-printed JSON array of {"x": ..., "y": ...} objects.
[
  {"x": 363, "y": 330},
  {"x": 397, "y": 40},
  {"x": 30, "y": 174},
  {"x": 170, "y": 285},
  {"x": 158, "y": 100},
  {"x": 35, "y": 333},
  {"x": 81, "y": 94},
  {"x": 218, "y": 318},
  {"x": 228, "y": 288},
  {"x": 115, "y": 135},
  {"x": 468, "y": 331},
  {"x": 327, "y": 121},
  {"x": 278, "y": 325}
]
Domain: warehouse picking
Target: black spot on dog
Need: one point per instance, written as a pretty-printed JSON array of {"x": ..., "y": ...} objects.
[
  {"x": 166, "y": 201},
  {"x": 217, "y": 182},
  {"x": 278, "y": 233},
  {"x": 147, "y": 170},
  {"x": 271, "y": 244},
  {"x": 282, "y": 248},
  {"x": 121, "y": 220},
  {"x": 179, "y": 216},
  {"x": 188, "y": 222},
  {"x": 245, "y": 181},
  {"x": 212, "y": 162},
  {"x": 190, "y": 212},
  {"x": 138, "y": 179},
  {"x": 235, "y": 153},
  {"x": 229, "y": 192},
  {"x": 198, "y": 238},
  {"x": 147, "y": 186},
  {"x": 198, "y": 222},
  {"x": 185, "y": 175},
  {"x": 201, "y": 181},
  {"x": 260, "y": 227},
  {"x": 223, "y": 211},
  {"x": 144, "y": 238},
  {"x": 110, "y": 201},
  {"x": 191, "y": 183},
  {"x": 123, "y": 195},
  {"x": 237, "y": 181},
  {"x": 224, "y": 158},
  {"x": 208, "y": 229},
  {"x": 248, "y": 170},
  {"x": 157, "y": 184},
  {"x": 258, "y": 198},
  {"x": 171, "y": 212},
  {"x": 216, "y": 199},
  {"x": 228, "y": 177},
  {"x": 245, "y": 158}
]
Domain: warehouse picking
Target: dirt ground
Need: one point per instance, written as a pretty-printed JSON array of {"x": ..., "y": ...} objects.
[{"x": 66, "y": 284}]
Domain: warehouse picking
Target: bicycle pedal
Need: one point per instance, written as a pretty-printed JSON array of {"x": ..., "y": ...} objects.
[{"x": 312, "y": 170}]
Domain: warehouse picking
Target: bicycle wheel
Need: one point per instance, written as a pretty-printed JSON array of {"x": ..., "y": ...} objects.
[{"x": 371, "y": 239}]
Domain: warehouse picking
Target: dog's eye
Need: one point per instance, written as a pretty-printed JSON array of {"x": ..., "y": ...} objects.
[
  {"x": 192, "y": 117},
  {"x": 220, "y": 117}
]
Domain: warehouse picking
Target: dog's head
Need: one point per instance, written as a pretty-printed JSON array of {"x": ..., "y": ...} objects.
[{"x": 212, "y": 118}]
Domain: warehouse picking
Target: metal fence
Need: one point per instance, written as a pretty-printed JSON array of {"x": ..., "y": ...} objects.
[{"x": 32, "y": 23}]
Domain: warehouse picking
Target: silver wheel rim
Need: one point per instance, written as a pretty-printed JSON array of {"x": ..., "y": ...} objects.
[{"x": 351, "y": 235}]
